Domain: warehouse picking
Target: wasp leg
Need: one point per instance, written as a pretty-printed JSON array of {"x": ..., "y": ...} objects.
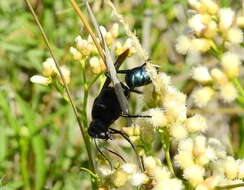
[
  {"x": 123, "y": 71},
  {"x": 115, "y": 153},
  {"x": 125, "y": 136},
  {"x": 135, "y": 116},
  {"x": 103, "y": 155}
]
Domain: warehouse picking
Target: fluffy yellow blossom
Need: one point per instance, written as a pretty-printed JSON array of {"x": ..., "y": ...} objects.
[
  {"x": 240, "y": 21},
  {"x": 160, "y": 173},
  {"x": 129, "y": 168},
  {"x": 170, "y": 184},
  {"x": 226, "y": 18},
  {"x": 228, "y": 92},
  {"x": 138, "y": 179},
  {"x": 184, "y": 159},
  {"x": 201, "y": 74},
  {"x": 219, "y": 77},
  {"x": 175, "y": 104},
  {"x": 235, "y": 35},
  {"x": 157, "y": 119},
  {"x": 196, "y": 23},
  {"x": 241, "y": 169},
  {"x": 230, "y": 167},
  {"x": 202, "y": 96},
  {"x": 201, "y": 44},
  {"x": 186, "y": 145},
  {"x": 178, "y": 131},
  {"x": 211, "y": 30},
  {"x": 196, "y": 123},
  {"x": 231, "y": 64},
  {"x": 199, "y": 145},
  {"x": 183, "y": 44},
  {"x": 194, "y": 174},
  {"x": 211, "y": 6},
  {"x": 119, "y": 178}
]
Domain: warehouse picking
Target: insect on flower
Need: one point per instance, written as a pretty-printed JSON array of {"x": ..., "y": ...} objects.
[{"x": 106, "y": 109}]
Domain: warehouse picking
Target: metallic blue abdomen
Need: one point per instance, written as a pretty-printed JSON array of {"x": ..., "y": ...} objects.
[{"x": 137, "y": 77}]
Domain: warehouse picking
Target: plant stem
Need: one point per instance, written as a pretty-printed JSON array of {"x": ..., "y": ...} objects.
[
  {"x": 230, "y": 186},
  {"x": 23, "y": 162},
  {"x": 84, "y": 135},
  {"x": 168, "y": 158},
  {"x": 166, "y": 146},
  {"x": 239, "y": 87}
]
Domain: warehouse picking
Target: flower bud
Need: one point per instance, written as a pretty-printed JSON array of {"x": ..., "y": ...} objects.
[
  {"x": 75, "y": 53},
  {"x": 40, "y": 80}
]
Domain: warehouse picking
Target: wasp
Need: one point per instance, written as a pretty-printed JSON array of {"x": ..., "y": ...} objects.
[{"x": 106, "y": 110}]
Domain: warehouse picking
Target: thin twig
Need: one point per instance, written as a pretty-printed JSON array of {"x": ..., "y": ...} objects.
[
  {"x": 146, "y": 30},
  {"x": 230, "y": 186},
  {"x": 88, "y": 28},
  {"x": 111, "y": 69},
  {"x": 85, "y": 137},
  {"x": 230, "y": 111}
]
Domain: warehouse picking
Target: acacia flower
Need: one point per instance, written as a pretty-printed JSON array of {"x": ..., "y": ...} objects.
[
  {"x": 235, "y": 35},
  {"x": 201, "y": 74},
  {"x": 183, "y": 44},
  {"x": 228, "y": 92},
  {"x": 231, "y": 64},
  {"x": 138, "y": 179},
  {"x": 226, "y": 18},
  {"x": 196, "y": 123},
  {"x": 203, "y": 95},
  {"x": 194, "y": 174},
  {"x": 178, "y": 131}
]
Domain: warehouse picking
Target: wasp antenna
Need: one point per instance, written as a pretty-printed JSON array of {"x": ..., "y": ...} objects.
[
  {"x": 103, "y": 155},
  {"x": 139, "y": 158},
  {"x": 115, "y": 153}
]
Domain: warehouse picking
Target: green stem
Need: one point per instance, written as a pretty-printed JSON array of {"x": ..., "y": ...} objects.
[
  {"x": 168, "y": 159},
  {"x": 85, "y": 125},
  {"x": 90, "y": 172},
  {"x": 23, "y": 162},
  {"x": 239, "y": 87},
  {"x": 166, "y": 146}
]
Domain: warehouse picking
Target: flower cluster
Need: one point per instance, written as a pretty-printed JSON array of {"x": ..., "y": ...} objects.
[
  {"x": 85, "y": 49},
  {"x": 203, "y": 161},
  {"x": 50, "y": 73},
  {"x": 215, "y": 30}
]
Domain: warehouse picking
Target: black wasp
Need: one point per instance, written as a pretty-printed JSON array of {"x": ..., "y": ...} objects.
[{"x": 106, "y": 108}]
